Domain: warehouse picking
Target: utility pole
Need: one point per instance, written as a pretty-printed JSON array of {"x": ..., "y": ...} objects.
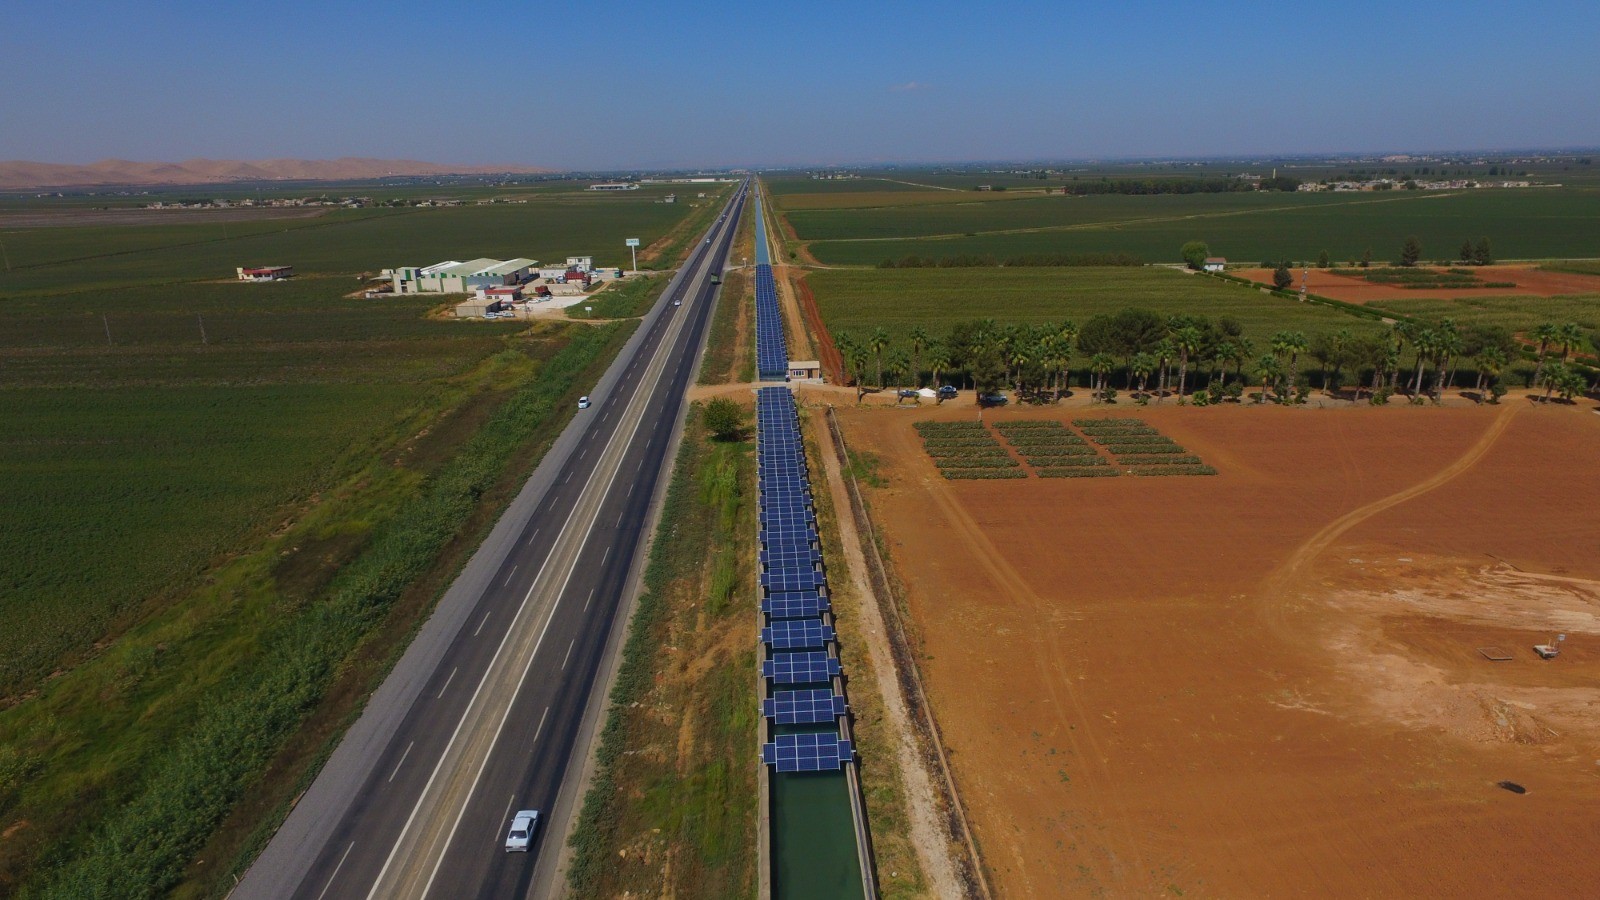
[
  {"x": 6, "y": 256},
  {"x": 202, "y": 321},
  {"x": 107, "y": 323}
]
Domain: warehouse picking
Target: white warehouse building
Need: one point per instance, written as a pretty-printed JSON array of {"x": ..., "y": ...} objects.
[{"x": 453, "y": 277}]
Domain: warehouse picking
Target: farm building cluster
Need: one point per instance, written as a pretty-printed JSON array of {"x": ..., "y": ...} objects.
[{"x": 500, "y": 287}]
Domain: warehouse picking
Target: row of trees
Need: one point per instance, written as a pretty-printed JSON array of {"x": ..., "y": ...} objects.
[
  {"x": 1155, "y": 356},
  {"x": 1479, "y": 253}
]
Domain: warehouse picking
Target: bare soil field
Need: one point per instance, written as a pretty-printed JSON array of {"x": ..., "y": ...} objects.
[
  {"x": 1529, "y": 281},
  {"x": 1267, "y": 683}
]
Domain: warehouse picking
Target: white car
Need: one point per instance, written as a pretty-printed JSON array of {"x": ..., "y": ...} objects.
[
  {"x": 583, "y": 402},
  {"x": 523, "y": 824},
  {"x": 677, "y": 303}
]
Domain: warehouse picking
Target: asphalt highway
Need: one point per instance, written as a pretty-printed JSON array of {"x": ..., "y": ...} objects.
[{"x": 485, "y": 714}]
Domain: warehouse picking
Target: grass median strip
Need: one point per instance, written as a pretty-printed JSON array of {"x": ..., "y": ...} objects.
[{"x": 674, "y": 788}]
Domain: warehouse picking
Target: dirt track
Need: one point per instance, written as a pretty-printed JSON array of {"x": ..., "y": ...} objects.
[{"x": 1268, "y": 682}]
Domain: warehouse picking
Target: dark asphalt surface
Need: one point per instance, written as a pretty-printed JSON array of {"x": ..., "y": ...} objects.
[{"x": 535, "y": 750}]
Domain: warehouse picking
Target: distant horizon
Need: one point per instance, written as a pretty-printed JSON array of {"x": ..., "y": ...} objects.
[{"x": 533, "y": 168}]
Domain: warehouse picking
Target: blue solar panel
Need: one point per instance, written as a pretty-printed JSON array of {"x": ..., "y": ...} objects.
[
  {"x": 795, "y": 554},
  {"x": 806, "y": 707},
  {"x": 797, "y": 634},
  {"x": 789, "y": 580},
  {"x": 807, "y": 667},
  {"x": 795, "y": 604},
  {"x": 780, "y": 537},
  {"x": 821, "y": 752}
]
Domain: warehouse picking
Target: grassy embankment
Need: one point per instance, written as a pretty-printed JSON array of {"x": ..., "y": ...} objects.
[
  {"x": 622, "y": 300},
  {"x": 234, "y": 514},
  {"x": 672, "y": 807},
  {"x": 1523, "y": 224},
  {"x": 900, "y": 872},
  {"x": 857, "y": 302}
]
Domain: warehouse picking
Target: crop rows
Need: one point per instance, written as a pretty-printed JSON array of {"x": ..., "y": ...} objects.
[
  {"x": 978, "y": 462},
  {"x": 1079, "y": 472},
  {"x": 1115, "y": 440},
  {"x": 985, "y": 474},
  {"x": 1172, "y": 470},
  {"x": 1158, "y": 460},
  {"x": 943, "y": 450}
]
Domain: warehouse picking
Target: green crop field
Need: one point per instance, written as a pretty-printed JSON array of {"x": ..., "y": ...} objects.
[
  {"x": 897, "y": 299},
  {"x": 1250, "y": 227},
  {"x": 216, "y": 493},
  {"x": 1520, "y": 314}
]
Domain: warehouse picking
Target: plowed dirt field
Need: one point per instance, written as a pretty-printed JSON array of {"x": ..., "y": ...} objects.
[
  {"x": 1529, "y": 282},
  {"x": 1268, "y": 683}
]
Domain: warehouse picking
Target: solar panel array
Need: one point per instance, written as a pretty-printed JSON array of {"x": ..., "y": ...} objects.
[
  {"x": 799, "y": 631},
  {"x": 807, "y": 707},
  {"x": 772, "y": 351},
  {"x": 810, "y": 752}
]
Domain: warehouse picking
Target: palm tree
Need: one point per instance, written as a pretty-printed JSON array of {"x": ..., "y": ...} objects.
[
  {"x": 1187, "y": 340},
  {"x": 1340, "y": 344},
  {"x": 1290, "y": 344},
  {"x": 1066, "y": 338},
  {"x": 1447, "y": 344},
  {"x": 849, "y": 349},
  {"x": 877, "y": 344},
  {"x": 1101, "y": 365},
  {"x": 1401, "y": 332},
  {"x": 1019, "y": 354},
  {"x": 1424, "y": 340},
  {"x": 899, "y": 363},
  {"x": 1270, "y": 369},
  {"x": 1140, "y": 367},
  {"x": 1546, "y": 334},
  {"x": 1570, "y": 336},
  {"x": 1557, "y": 374},
  {"x": 1490, "y": 361},
  {"x": 919, "y": 343},
  {"x": 938, "y": 360},
  {"x": 1166, "y": 351}
]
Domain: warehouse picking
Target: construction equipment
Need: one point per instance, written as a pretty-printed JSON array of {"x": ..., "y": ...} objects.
[{"x": 1550, "y": 650}]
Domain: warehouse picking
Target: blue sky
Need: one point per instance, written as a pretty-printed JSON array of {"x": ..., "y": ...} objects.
[{"x": 732, "y": 83}]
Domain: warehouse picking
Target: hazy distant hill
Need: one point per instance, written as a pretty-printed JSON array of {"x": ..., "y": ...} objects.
[{"x": 20, "y": 174}]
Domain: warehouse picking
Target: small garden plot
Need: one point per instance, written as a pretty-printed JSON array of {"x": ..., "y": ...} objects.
[
  {"x": 1140, "y": 449},
  {"x": 1049, "y": 444},
  {"x": 967, "y": 450}
]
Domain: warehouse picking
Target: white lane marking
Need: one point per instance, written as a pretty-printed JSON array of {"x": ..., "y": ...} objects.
[
  {"x": 568, "y": 478},
  {"x": 447, "y": 682},
  {"x": 504, "y": 640},
  {"x": 483, "y": 623},
  {"x": 534, "y": 535},
  {"x": 540, "y": 730},
  {"x": 606, "y": 416},
  {"x": 505, "y": 816},
  {"x": 584, "y": 453},
  {"x": 639, "y": 466},
  {"x": 401, "y": 762},
  {"x": 509, "y": 574},
  {"x": 568, "y": 658},
  {"x": 630, "y": 487},
  {"x": 336, "y": 870},
  {"x": 619, "y": 517},
  {"x": 588, "y": 601},
  {"x": 649, "y": 442},
  {"x": 607, "y": 556}
]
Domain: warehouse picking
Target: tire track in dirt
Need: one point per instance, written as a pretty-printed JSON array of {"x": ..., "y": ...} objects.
[
  {"x": 1275, "y": 585},
  {"x": 1126, "y": 860}
]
